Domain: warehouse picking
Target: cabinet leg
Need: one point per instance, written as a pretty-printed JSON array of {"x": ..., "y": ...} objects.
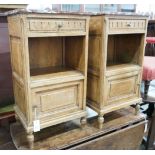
[
  {"x": 83, "y": 122},
  {"x": 137, "y": 109},
  {"x": 146, "y": 87},
  {"x": 30, "y": 139},
  {"x": 16, "y": 117},
  {"x": 100, "y": 121}
]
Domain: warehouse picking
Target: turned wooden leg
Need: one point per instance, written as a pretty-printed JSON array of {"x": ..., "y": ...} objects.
[
  {"x": 30, "y": 139},
  {"x": 146, "y": 87},
  {"x": 16, "y": 117},
  {"x": 137, "y": 109},
  {"x": 83, "y": 122},
  {"x": 100, "y": 121}
]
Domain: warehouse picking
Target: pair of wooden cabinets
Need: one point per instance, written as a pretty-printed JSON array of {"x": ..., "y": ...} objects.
[{"x": 49, "y": 54}]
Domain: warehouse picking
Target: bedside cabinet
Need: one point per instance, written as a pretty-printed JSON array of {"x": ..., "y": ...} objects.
[
  {"x": 116, "y": 50},
  {"x": 49, "y": 63}
]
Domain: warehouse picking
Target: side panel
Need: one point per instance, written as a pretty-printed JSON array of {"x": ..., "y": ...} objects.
[
  {"x": 93, "y": 78},
  {"x": 19, "y": 94},
  {"x": 17, "y": 43}
]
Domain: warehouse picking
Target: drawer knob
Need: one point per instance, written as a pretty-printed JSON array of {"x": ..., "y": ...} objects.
[
  {"x": 129, "y": 24},
  {"x": 60, "y": 25}
]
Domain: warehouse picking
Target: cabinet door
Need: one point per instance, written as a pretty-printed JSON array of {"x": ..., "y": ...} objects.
[
  {"x": 122, "y": 87},
  {"x": 58, "y": 100}
]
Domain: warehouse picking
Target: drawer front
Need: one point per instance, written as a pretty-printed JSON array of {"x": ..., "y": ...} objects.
[
  {"x": 116, "y": 25},
  {"x": 57, "y": 25},
  {"x": 122, "y": 88},
  {"x": 59, "y": 98}
]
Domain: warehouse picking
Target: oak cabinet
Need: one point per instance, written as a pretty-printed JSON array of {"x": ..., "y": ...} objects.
[
  {"x": 116, "y": 50},
  {"x": 49, "y": 63}
]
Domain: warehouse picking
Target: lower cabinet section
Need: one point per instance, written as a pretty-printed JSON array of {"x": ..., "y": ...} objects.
[
  {"x": 55, "y": 103},
  {"x": 122, "y": 87}
]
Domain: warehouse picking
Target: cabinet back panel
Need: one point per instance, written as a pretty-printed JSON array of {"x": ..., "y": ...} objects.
[
  {"x": 74, "y": 53},
  {"x": 124, "y": 49},
  {"x": 45, "y": 52}
]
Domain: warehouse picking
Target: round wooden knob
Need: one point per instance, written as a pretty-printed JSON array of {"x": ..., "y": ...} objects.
[
  {"x": 129, "y": 24},
  {"x": 60, "y": 25}
]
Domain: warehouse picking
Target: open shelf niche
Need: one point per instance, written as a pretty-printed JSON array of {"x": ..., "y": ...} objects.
[
  {"x": 51, "y": 55},
  {"x": 124, "y": 50}
]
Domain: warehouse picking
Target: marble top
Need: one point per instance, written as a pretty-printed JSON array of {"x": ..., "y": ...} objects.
[{"x": 24, "y": 11}]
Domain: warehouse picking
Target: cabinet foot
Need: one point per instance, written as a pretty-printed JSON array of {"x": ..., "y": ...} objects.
[
  {"x": 16, "y": 117},
  {"x": 137, "y": 109},
  {"x": 30, "y": 139},
  {"x": 83, "y": 122},
  {"x": 100, "y": 121}
]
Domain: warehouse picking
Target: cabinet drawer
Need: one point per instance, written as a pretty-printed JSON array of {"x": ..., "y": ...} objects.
[
  {"x": 122, "y": 87},
  {"x": 58, "y": 98},
  {"x": 57, "y": 25},
  {"x": 116, "y": 25}
]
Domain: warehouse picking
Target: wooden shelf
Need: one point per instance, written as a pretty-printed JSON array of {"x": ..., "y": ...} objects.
[
  {"x": 121, "y": 68},
  {"x": 48, "y": 70},
  {"x": 54, "y": 75}
]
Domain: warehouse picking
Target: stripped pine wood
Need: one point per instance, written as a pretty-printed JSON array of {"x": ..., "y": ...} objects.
[{"x": 49, "y": 55}]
